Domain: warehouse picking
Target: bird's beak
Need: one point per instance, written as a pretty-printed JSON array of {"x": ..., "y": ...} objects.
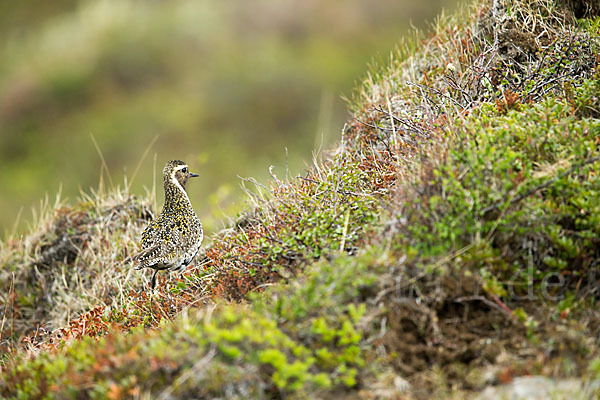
[{"x": 193, "y": 175}]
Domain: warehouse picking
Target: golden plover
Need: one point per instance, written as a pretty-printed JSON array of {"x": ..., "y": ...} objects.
[{"x": 171, "y": 241}]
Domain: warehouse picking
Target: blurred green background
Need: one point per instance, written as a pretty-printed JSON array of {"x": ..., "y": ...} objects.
[{"x": 225, "y": 86}]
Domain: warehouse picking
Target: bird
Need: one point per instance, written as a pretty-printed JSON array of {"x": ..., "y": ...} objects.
[{"x": 172, "y": 240}]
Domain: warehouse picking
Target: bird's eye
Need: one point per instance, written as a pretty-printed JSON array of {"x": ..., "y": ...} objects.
[{"x": 184, "y": 170}]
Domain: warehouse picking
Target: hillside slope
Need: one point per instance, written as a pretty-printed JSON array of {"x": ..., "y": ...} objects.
[{"x": 448, "y": 247}]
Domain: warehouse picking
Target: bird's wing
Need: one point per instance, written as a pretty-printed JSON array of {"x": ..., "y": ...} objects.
[
  {"x": 146, "y": 257},
  {"x": 151, "y": 245},
  {"x": 162, "y": 246},
  {"x": 151, "y": 235}
]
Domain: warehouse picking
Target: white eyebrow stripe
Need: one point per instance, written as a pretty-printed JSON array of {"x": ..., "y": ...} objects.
[{"x": 176, "y": 182}]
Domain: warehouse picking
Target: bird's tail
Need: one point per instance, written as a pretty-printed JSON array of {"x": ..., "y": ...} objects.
[
  {"x": 143, "y": 257},
  {"x": 132, "y": 260}
]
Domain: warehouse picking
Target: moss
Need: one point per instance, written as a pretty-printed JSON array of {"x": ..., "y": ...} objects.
[
  {"x": 527, "y": 177},
  {"x": 238, "y": 335},
  {"x": 315, "y": 216}
]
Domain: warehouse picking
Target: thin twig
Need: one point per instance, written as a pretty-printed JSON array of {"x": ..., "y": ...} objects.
[
  {"x": 409, "y": 124},
  {"x": 137, "y": 168},
  {"x": 492, "y": 304},
  {"x": 104, "y": 165},
  {"x": 541, "y": 186},
  {"x": 345, "y": 231},
  {"x": 197, "y": 369}
]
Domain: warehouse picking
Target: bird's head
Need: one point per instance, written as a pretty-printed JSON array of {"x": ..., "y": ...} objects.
[{"x": 177, "y": 172}]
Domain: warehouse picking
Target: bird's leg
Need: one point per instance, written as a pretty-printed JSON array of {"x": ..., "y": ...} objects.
[{"x": 153, "y": 282}]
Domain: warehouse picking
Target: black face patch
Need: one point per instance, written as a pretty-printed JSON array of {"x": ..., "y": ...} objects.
[{"x": 181, "y": 177}]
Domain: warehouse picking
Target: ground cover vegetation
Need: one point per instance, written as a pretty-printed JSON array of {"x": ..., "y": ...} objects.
[{"x": 448, "y": 245}]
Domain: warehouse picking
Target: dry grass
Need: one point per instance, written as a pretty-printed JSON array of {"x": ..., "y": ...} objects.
[{"x": 72, "y": 261}]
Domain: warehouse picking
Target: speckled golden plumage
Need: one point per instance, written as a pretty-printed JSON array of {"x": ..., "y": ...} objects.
[{"x": 172, "y": 240}]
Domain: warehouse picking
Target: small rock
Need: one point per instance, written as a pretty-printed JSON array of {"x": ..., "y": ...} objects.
[{"x": 539, "y": 387}]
